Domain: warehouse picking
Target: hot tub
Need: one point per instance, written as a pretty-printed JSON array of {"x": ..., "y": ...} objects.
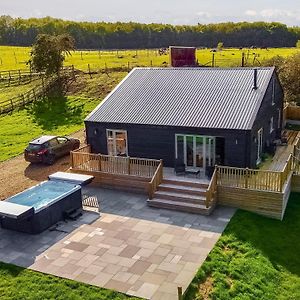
[{"x": 40, "y": 207}]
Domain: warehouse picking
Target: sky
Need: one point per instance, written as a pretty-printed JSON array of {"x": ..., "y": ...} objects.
[{"x": 158, "y": 11}]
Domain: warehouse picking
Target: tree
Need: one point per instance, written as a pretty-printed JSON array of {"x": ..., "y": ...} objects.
[
  {"x": 289, "y": 76},
  {"x": 49, "y": 52},
  {"x": 220, "y": 46},
  {"x": 298, "y": 44}
]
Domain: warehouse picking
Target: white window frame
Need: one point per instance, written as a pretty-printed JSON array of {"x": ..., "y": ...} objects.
[
  {"x": 273, "y": 92},
  {"x": 114, "y": 131},
  {"x": 260, "y": 141},
  {"x": 212, "y": 143},
  {"x": 271, "y": 124}
]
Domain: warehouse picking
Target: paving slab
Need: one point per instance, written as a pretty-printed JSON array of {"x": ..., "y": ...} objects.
[{"x": 129, "y": 247}]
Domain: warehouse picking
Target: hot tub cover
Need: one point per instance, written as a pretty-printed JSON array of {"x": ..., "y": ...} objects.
[
  {"x": 72, "y": 178},
  {"x": 15, "y": 211}
]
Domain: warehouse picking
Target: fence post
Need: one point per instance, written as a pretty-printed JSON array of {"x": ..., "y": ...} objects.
[
  {"x": 89, "y": 69},
  {"x": 72, "y": 160},
  {"x": 99, "y": 164},
  {"x": 179, "y": 290},
  {"x": 281, "y": 180},
  {"x": 246, "y": 178},
  {"x": 12, "y": 104},
  {"x": 128, "y": 165}
]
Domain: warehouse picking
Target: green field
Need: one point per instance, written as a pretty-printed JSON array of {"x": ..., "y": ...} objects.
[
  {"x": 57, "y": 115},
  {"x": 14, "y": 58},
  {"x": 255, "y": 258}
]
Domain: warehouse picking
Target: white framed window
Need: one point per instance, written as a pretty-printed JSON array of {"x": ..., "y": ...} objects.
[
  {"x": 117, "y": 142},
  {"x": 271, "y": 124},
  {"x": 259, "y": 145},
  {"x": 273, "y": 91}
]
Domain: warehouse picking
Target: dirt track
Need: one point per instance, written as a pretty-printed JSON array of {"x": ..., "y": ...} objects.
[{"x": 16, "y": 174}]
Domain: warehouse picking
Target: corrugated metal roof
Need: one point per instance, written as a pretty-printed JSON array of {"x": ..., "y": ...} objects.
[{"x": 189, "y": 97}]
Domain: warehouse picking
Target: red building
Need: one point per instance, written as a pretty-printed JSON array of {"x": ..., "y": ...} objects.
[{"x": 183, "y": 56}]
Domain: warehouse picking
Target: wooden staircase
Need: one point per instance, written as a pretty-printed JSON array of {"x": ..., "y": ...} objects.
[{"x": 182, "y": 196}]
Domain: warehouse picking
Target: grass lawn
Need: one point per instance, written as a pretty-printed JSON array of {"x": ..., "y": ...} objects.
[
  {"x": 9, "y": 92},
  {"x": 57, "y": 115},
  {"x": 12, "y": 58},
  {"x": 20, "y": 284},
  {"x": 255, "y": 258}
]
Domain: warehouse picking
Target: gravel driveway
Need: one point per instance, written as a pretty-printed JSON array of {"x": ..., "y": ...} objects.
[{"x": 17, "y": 175}]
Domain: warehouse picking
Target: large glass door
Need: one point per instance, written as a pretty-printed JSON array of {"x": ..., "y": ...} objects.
[
  {"x": 117, "y": 142},
  {"x": 195, "y": 150}
]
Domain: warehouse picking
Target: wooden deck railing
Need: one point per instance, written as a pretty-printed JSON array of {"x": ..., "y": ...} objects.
[
  {"x": 211, "y": 192},
  {"x": 84, "y": 149},
  {"x": 156, "y": 180},
  {"x": 85, "y": 161},
  {"x": 249, "y": 179}
]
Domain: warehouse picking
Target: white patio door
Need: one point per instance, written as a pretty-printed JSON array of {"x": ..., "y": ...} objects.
[
  {"x": 259, "y": 145},
  {"x": 117, "y": 142},
  {"x": 195, "y": 150}
]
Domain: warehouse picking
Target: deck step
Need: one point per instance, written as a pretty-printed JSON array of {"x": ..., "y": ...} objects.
[
  {"x": 186, "y": 183},
  {"x": 179, "y": 206},
  {"x": 182, "y": 188},
  {"x": 180, "y": 197}
]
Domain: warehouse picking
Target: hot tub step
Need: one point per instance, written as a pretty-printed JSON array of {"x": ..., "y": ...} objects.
[{"x": 72, "y": 214}]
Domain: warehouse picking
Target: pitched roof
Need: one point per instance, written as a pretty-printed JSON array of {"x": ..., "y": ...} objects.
[{"x": 189, "y": 97}]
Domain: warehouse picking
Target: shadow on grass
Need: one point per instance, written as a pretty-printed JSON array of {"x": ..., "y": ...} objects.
[
  {"x": 10, "y": 270},
  {"x": 55, "y": 110},
  {"x": 278, "y": 240}
]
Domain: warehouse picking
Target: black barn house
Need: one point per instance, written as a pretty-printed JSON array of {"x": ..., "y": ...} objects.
[{"x": 200, "y": 116}]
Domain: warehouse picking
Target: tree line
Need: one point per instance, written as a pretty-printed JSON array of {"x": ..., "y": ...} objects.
[{"x": 103, "y": 35}]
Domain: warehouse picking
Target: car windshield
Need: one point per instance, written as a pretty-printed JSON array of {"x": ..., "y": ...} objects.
[{"x": 34, "y": 147}]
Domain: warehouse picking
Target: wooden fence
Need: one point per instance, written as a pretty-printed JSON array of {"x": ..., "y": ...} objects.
[
  {"x": 249, "y": 179},
  {"x": 211, "y": 193},
  {"x": 113, "y": 164},
  {"x": 18, "y": 77},
  {"x": 34, "y": 94},
  {"x": 156, "y": 180}
]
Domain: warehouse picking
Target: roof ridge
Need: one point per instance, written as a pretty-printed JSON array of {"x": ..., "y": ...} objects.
[{"x": 202, "y": 68}]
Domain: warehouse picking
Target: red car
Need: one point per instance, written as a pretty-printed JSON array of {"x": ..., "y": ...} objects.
[{"x": 46, "y": 149}]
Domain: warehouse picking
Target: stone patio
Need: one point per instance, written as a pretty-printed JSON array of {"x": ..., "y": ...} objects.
[{"x": 141, "y": 251}]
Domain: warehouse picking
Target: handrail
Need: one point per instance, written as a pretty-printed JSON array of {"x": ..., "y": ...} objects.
[
  {"x": 85, "y": 149},
  {"x": 212, "y": 189},
  {"x": 156, "y": 180},
  {"x": 250, "y": 178},
  {"x": 91, "y": 162}
]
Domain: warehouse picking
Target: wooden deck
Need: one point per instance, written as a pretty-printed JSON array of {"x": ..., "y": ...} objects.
[
  {"x": 265, "y": 191},
  {"x": 282, "y": 153}
]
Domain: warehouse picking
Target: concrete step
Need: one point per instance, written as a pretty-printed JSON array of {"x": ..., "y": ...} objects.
[
  {"x": 182, "y": 189},
  {"x": 186, "y": 183},
  {"x": 180, "y": 197},
  {"x": 179, "y": 206}
]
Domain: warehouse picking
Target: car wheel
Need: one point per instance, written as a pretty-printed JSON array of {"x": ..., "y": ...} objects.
[{"x": 50, "y": 159}]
